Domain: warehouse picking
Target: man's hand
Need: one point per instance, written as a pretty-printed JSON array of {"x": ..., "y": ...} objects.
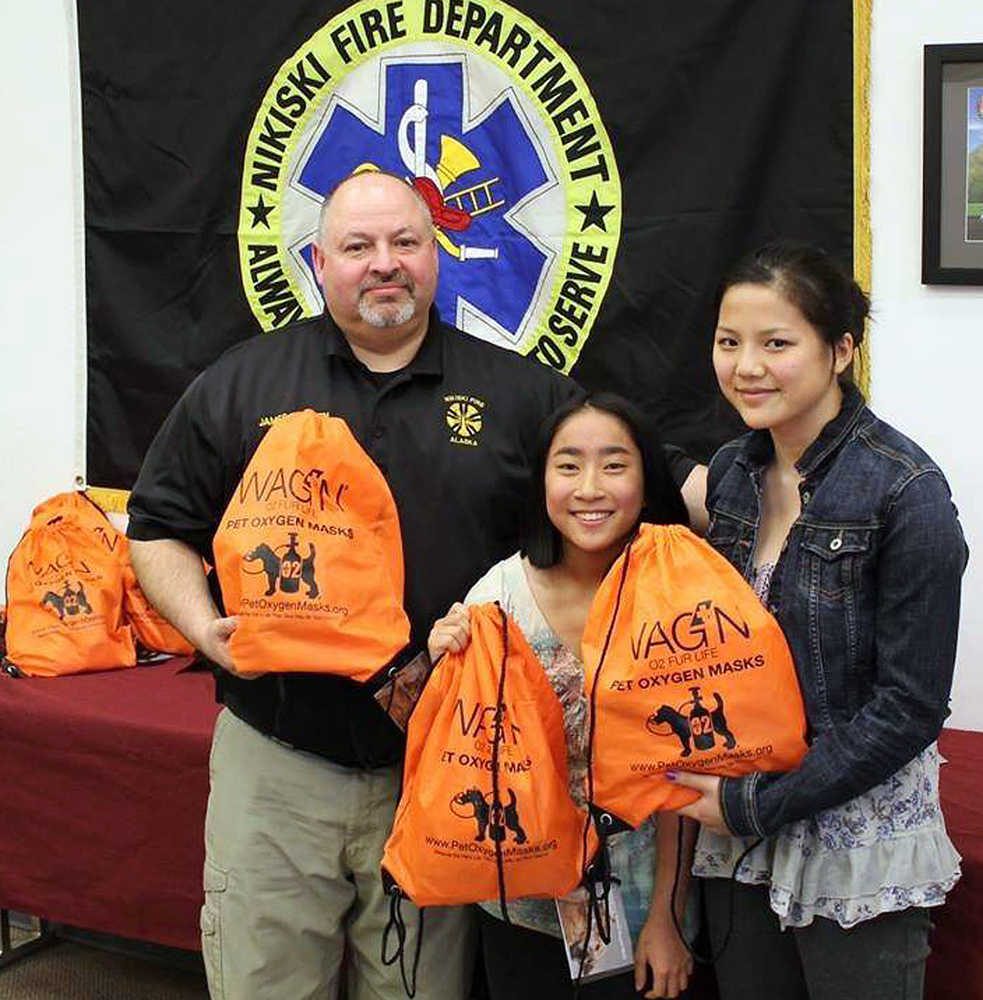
[
  {"x": 214, "y": 642},
  {"x": 172, "y": 577},
  {"x": 450, "y": 634},
  {"x": 706, "y": 809},
  {"x": 660, "y": 949},
  {"x": 215, "y": 645}
]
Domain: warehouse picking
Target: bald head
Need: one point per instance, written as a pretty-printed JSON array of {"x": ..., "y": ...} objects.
[
  {"x": 373, "y": 182},
  {"x": 376, "y": 258}
]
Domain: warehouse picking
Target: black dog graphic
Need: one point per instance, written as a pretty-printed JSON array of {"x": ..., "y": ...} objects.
[
  {"x": 506, "y": 816},
  {"x": 84, "y": 605},
  {"x": 271, "y": 567},
  {"x": 681, "y": 727},
  {"x": 307, "y": 572},
  {"x": 509, "y": 821},
  {"x": 57, "y": 604},
  {"x": 70, "y": 602}
]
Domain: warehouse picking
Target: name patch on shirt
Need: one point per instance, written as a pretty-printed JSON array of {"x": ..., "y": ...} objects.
[{"x": 271, "y": 419}]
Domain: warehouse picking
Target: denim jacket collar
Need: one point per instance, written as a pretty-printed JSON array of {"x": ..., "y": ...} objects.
[{"x": 759, "y": 449}]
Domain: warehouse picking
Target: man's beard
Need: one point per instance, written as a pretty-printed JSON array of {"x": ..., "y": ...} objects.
[{"x": 386, "y": 314}]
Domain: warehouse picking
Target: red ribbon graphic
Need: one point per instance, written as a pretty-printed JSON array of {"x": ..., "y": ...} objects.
[{"x": 444, "y": 216}]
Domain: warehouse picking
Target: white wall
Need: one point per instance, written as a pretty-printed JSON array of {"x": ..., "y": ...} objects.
[
  {"x": 927, "y": 342},
  {"x": 927, "y": 345},
  {"x": 39, "y": 284}
]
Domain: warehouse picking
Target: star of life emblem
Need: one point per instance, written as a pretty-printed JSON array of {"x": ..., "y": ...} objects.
[{"x": 517, "y": 172}]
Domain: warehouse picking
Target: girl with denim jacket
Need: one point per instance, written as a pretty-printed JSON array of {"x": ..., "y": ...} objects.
[{"x": 847, "y": 531}]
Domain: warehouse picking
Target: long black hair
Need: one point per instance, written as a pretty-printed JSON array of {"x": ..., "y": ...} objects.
[{"x": 662, "y": 502}]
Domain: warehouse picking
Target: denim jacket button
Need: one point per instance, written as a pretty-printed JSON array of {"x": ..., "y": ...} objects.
[
  {"x": 836, "y": 543},
  {"x": 806, "y": 496}
]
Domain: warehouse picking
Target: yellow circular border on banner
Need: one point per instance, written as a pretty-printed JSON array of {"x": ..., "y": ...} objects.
[{"x": 582, "y": 155}]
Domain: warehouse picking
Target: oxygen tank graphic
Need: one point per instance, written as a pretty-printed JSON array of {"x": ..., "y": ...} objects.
[
  {"x": 290, "y": 566},
  {"x": 700, "y": 723}
]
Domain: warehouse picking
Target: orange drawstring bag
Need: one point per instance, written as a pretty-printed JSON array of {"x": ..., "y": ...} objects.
[
  {"x": 65, "y": 592},
  {"x": 153, "y": 632},
  {"x": 486, "y": 810},
  {"x": 309, "y": 555},
  {"x": 685, "y": 670}
]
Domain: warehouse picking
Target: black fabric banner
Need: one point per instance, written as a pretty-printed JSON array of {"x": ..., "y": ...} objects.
[{"x": 596, "y": 165}]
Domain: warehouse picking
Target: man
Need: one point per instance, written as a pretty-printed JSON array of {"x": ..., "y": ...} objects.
[{"x": 305, "y": 768}]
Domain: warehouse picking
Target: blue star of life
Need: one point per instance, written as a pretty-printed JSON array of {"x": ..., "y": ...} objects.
[{"x": 478, "y": 175}]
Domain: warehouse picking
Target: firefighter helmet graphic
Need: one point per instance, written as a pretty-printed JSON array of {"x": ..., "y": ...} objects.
[{"x": 504, "y": 143}]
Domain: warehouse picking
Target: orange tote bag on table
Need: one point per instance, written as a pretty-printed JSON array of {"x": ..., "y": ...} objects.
[
  {"x": 150, "y": 629},
  {"x": 65, "y": 592}
]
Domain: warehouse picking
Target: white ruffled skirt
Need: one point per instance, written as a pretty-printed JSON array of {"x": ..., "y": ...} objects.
[{"x": 883, "y": 851}]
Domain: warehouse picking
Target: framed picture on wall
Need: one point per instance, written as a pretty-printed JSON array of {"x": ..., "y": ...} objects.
[{"x": 952, "y": 174}]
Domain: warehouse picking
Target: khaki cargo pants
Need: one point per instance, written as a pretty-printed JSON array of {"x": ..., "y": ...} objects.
[{"x": 292, "y": 884}]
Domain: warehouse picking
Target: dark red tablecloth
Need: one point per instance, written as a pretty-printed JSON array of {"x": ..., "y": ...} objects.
[
  {"x": 104, "y": 782},
  {"x": 955, "y": 968},
  {"x": 103, "y": 787}
]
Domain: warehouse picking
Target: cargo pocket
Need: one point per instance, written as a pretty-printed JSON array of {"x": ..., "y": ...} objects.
[{"x": 211, "y": 929}]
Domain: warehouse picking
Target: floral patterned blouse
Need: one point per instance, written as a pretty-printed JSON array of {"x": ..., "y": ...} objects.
[{"x": 632, "y": 853}]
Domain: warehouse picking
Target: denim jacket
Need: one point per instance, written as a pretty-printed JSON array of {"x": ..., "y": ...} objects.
[{"x": 867, "y": 592}]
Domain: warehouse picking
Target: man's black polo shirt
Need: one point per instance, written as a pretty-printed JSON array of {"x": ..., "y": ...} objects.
[{"x": 451, "y": 432}]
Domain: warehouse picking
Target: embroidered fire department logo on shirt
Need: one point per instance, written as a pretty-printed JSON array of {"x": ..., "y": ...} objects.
[
  {"x": 464, "y": 418},
  {"x": 477, "y": 107}
]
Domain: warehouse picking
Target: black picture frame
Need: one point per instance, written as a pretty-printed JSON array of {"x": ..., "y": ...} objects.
[{"x": 952, "y": 237}]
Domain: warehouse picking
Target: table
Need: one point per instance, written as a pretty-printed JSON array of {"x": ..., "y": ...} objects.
[
  {"x": 104, "y": 785},
  {"x": 103, "y": 789},
  {"x": 955, "y": 967}
]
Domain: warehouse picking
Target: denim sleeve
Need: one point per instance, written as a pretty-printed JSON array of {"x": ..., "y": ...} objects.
[{"x": 920, "y": 562}]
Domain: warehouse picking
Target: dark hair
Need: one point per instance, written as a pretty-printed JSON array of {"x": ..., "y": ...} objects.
[
  {"x": 662, "y": 502},
  {"x": 812, "y": 280}
]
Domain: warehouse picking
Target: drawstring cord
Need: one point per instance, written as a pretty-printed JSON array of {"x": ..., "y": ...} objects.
[
  {"x": 391, "y": 674},
  {"x": 598, "y": 873},
  {"x": 497, "y": 807},
  {"x": 714, "y": 955},
  {"x": 397, "y": 924}
]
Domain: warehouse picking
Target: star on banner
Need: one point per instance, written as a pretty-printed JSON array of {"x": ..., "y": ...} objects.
[
  {"x": 594, "y": 213},
  {"x": 260, "y": 212}
]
